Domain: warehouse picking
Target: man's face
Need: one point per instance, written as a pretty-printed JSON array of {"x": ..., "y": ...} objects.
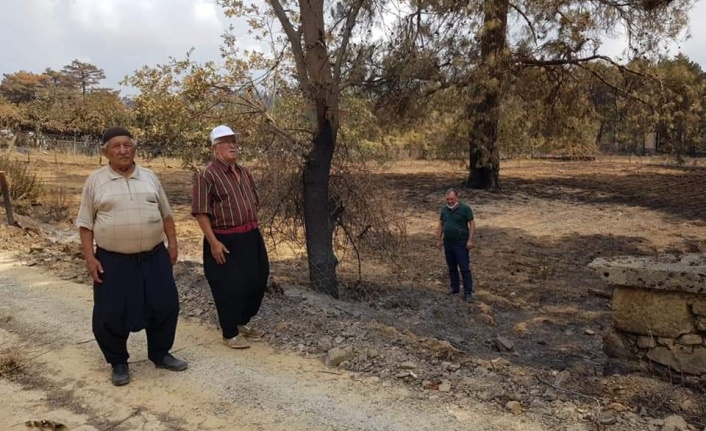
[
  {"x": 120, "y": 152},
  {"x": 226, "y": 148},
  {"x": 451, "y": 199}
]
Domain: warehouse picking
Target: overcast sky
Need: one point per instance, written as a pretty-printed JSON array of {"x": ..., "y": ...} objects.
[{"x": 120, "y": 36}]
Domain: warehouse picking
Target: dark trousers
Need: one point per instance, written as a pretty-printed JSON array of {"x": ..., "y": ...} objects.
[
  {"x": 138, "y": 292},
  {"x": 238, "y": 286},
  {"x": 458, "y": 259}
]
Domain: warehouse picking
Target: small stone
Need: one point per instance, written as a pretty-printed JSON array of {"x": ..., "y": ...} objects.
[
  {"x": 402, "y": 374},
  {"x": 550, "y": 395},
  {"x": 699, "y": 307},
  {"x": 562, "y": 377},
  {"x": 514, "y": 407},
  {"x": 337, "y": 355},
  {"x": 325, "y": 344},
  {"x": 339, "y": 340},
  {"x": 691, "y": 340},
  {"x": 645, "y": 342},
  {"x": 487, "y": 319},
  {"x": 503, "y": 343},
  {"x": 675, "y": 423},
  {"x": 607, "y": 417},
  {"x": 408, "y": 365},
  {"x": 589, "y": 332},
  {"x": 428, "y": 384},
  {"x": 445, "y": 387},
  {"x": 667, "y": 342},
  {"x": 701, "y": 324},
  {"x": 617, "y": 407},
  {"x": 35, "y": 248}
]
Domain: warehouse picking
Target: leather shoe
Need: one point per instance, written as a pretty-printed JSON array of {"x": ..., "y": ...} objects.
[
  {"x": 120, "y": 375},
  {"x": 171, "y": 363},
  {"x": 469, "y": 299}
]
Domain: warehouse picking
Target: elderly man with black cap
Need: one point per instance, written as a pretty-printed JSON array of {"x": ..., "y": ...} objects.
[
  {"x": 225, "y": 205},
  {"x": 125, "y": 211}
]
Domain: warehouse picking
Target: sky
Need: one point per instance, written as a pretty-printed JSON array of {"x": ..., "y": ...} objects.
[{"x": 120, "y": 36}]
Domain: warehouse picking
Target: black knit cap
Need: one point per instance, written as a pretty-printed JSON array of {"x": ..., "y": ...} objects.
[{"x": 112, "y": 132}]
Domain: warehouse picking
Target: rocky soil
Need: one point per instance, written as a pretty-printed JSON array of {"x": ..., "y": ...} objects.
[{"x": 532, "y": 343}]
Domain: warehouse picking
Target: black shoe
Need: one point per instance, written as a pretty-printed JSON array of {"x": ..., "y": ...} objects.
[
  {"x": 469, "y": 299},
  {"x": 171, "y": 363},
  {"x": 121, "y": 375}
]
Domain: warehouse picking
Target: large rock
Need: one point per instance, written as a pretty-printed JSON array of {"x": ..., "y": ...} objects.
[
  {"x": 661, "y": 314},
  {"x": 680, "y": 359},
  {"x": 685, "y": 273}
]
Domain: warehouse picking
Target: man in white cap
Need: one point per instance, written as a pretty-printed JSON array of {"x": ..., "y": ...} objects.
[{"x": 225, "y": 204}]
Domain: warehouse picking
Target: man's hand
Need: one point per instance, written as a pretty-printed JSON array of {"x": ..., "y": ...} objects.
[
  {"x": 95, "y": 269},
  {"x": 173, "y": 253},
  {"x": 219, "y": 251},
  {"x": 470, "y": 244}
]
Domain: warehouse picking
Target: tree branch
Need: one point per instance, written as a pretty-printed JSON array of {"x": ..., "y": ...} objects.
[
  {"x": 294, "y": 39},
  {"x": 529, "y": 23},
  {"x": 347, "y": 31}
]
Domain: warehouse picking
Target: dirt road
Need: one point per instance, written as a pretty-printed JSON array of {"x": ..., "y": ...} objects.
[{"x": 64, "y": 379}]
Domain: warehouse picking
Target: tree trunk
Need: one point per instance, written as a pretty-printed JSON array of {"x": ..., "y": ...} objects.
[
  {"x": 484, "y": 109},
  {"x": 318, "y": 220},
  {"x": 322, "y": 94}
]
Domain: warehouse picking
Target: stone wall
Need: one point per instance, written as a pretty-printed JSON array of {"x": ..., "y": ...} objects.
[{"x": 659, "y": 314}]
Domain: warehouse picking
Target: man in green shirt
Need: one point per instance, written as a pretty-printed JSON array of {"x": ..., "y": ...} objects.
[{"x": 456, "y": 232}]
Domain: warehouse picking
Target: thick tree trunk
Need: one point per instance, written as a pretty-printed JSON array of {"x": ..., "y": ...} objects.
[
  {"x": 322, "y": 95},
  {"x": 318, "y": 220},
  {"x": 484, "y": 109}
]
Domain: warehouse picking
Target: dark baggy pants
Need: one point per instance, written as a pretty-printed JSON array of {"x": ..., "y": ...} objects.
[
  {"x": 238, "y": 286},
  {"x": 458, "y": 259},
  {"x": 138, "y": 292}
]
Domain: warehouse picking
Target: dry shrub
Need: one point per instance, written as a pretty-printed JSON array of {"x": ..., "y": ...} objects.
[
  {"x": 366, "y": 222},
  {"x": 24, "y": 185},
  {"x": 12, "y": 363},
  {"x": 57, "y": 203}
]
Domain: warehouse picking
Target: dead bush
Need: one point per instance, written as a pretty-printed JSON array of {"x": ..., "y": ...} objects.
[
  {"x": 57, "y": 203},
  {"x": 12, "y": 363},
  {"x": 24, "y": 185}
]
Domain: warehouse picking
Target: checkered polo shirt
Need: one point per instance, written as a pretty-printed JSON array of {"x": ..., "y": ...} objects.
[{"x": 125, "y": 214}]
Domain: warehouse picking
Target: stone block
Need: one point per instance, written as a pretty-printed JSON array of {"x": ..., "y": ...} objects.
[
  {"x": 682, "y": 360},
  {"x": 646, "y": 342},
  {"x": 701, "y": 324},
  {"x": 666, "y": 342},
  {"x": 691, "y": 340},
  {"x": 699, "y": 307},
  {"x": 686, "y": 273},
  {"x": 653, "y": 313},
  {"x": 614, "y": 346}
]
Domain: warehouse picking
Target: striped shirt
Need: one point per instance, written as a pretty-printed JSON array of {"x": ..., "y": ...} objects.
[
  {"x": 229, "y": 196},
  {"x": 125, "y": 214}
]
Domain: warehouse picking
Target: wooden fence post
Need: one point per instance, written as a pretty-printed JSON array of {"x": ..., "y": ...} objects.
[{"x": 6, "y": 199}]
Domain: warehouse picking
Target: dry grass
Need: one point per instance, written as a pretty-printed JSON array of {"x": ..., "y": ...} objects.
[{"x": 13, "y": 364}]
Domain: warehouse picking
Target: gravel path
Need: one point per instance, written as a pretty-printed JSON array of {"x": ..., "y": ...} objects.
[{"x": 66, "y": 380}]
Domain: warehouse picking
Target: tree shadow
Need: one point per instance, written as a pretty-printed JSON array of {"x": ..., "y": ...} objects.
[{"x": 679, "y": 193}]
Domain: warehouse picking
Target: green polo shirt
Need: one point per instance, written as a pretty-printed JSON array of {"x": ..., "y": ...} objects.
[{"x": 456, "y": 223}]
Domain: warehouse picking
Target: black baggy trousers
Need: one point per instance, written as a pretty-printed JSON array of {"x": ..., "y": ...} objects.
[
  {"x": 138, "y": 292},
  {"x": 238, "y": 286}
]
